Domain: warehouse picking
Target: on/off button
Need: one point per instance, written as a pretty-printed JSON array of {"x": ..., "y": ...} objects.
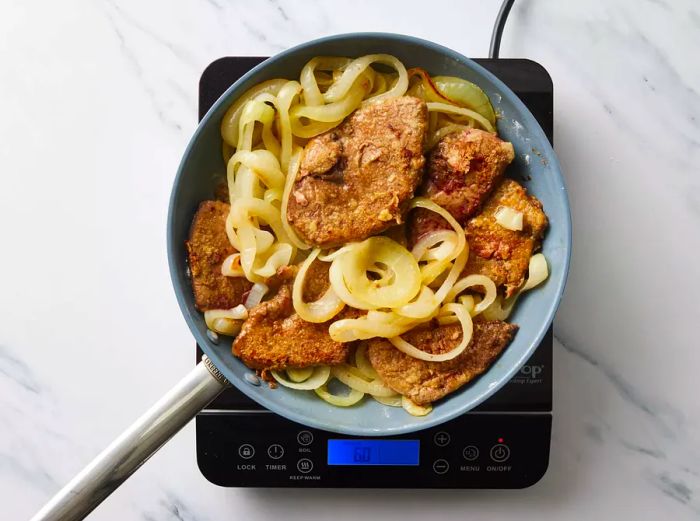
[{"x": 500, "y": 453}]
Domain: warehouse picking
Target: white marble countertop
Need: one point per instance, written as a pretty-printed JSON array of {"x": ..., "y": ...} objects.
[{"x": 97, "y": 102}]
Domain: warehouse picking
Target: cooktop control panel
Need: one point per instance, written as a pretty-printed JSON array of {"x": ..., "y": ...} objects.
[{"x": 483, "y": 450}]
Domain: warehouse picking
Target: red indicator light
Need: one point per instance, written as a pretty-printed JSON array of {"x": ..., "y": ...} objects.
[{"x": 500, "y": 440}]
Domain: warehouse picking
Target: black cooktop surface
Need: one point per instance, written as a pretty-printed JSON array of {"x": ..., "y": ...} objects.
[{"x": 503, "y": 443}]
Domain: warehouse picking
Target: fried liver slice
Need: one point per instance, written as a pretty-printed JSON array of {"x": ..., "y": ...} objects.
[
  {"x": 207, "y": 247},
  {"x": 504, "y": 255},
  {"x": 462, "y": 170},
  {"x": 425, "y": 382},
  {"x": 356, "y": 180},
  {"x": 275, "y": 337}
]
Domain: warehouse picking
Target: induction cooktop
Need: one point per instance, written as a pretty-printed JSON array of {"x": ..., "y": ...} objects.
[{"x": 503, "y": 443}]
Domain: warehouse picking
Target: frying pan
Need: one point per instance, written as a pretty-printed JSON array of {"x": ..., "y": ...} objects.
[{"x": 535, "y": 166}]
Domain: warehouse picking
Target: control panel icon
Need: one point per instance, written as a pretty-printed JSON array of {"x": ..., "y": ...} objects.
[
  {"x": 246, "y": 451},
  {"x": 470, "y": 452},
  {"x": 440, "y": 466},
  {"x": 305, "y": 438},
  {"x": 500, "y": 453},
  {"x": 275, "y": 451},
  {"x": 305, "y": 465},
  {"x": 441, "y": 439}
]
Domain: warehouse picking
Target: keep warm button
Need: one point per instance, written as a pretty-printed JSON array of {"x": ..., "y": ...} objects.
[
  {"x": 500, "y": 453},
  {"x": 305, "y": 465}
]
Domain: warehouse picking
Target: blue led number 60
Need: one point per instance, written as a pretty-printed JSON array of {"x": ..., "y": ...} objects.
[{"x": 362, "y": 454}]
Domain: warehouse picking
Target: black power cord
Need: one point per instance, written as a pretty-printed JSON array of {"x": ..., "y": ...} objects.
[{"x": 498, "y": 28}]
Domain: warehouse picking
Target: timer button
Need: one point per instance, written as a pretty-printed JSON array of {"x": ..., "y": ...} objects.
[
  {"x": 275, "y": 451},
  {"x": 441, "y": 439},
  {"x": 440, "y": 466},
  {"x": 500, "y": 453},
  {"x": 305, "y": 465},
  {"x": 470, "y": 452},
  {"x": 246, "y": 451},
  {"x": 305, "y": 438}
]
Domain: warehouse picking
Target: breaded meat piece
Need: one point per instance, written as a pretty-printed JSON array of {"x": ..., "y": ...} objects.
[
  {"x": 207, "y": 248},
  {"x": 425, "y": 382},
  {"x": 355, "y": 180},
  {"x": 315, "y": 285},
  {"x": 504, "y": 255},
  {"x": 463, "y": 169},
  {"x": 275, "y": 337}
]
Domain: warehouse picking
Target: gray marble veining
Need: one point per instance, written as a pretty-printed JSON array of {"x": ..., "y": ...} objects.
[{"x": 98, "y": 101}]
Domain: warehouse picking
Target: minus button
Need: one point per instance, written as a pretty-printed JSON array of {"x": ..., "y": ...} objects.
[{"x": 440, "y": 466}]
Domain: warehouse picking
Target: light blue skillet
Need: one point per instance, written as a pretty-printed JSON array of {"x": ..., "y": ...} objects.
[{"x": 535, "y": 161}]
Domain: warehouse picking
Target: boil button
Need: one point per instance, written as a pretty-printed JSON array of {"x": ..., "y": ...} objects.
[{"x": 305, "y": 438}]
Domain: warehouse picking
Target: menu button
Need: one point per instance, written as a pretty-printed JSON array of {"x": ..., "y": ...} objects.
[{"x": 470, "y": 452}]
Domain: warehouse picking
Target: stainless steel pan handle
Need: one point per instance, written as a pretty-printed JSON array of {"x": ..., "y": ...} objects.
[{"x": 139, "y": 442}]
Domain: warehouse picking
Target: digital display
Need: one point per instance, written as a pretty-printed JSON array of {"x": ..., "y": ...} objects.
[{"x": 373, "y": 452}]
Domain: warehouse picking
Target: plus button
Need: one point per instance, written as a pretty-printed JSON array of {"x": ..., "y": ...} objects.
[{"x": 441, "y": 439}]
